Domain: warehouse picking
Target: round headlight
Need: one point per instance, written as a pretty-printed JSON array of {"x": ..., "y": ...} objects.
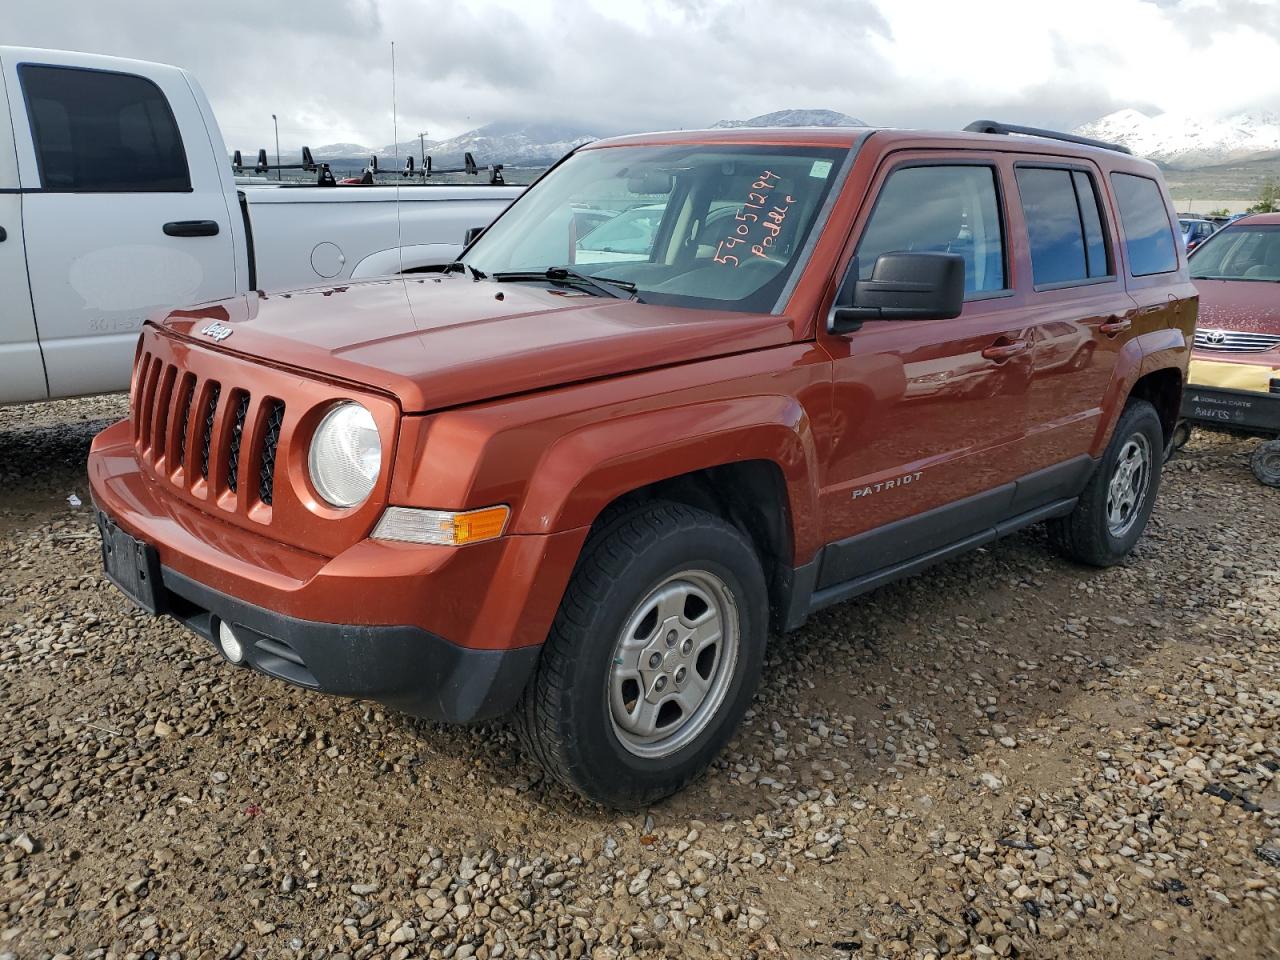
[{"x": 346, "y": 455}]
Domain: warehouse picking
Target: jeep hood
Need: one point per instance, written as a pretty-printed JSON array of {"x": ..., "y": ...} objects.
[{"x": 438, "y": 342}]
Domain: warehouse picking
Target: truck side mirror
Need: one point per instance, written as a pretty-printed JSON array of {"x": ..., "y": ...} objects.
[
  {"x": 471, "y": 236},
  {"x": 902, "y": 286}
]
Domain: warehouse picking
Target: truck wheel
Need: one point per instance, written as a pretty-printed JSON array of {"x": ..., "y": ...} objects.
[
  {"x": 1266, "y": 463},
  {"x": 1113, "y": 510},
  {"x": 652, "y": 659}
]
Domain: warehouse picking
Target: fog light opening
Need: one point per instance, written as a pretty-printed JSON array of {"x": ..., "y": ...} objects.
[{"x": 230, "y": 643}]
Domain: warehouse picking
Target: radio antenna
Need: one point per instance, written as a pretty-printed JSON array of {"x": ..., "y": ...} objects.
[{"x": 395, "y": 140}]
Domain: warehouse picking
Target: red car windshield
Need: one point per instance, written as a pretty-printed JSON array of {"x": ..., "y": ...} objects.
[{"x": 1240, "y": 252}]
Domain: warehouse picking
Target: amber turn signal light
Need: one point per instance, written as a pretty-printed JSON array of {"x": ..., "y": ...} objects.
[{"x": 441, "y": 527}]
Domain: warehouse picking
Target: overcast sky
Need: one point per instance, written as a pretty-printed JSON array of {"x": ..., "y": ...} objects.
[{"x": 619, "y": 65}]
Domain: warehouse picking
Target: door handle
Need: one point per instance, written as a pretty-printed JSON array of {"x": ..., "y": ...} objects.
[
  {"x": 3, "y": 236},
  {"x": 1000, "y": 352},
  {"x": 191, "y": 228},
  {"x": 1115, "y": 325}
]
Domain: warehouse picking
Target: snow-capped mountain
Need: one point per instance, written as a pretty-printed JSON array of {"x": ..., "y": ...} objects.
[
  {"x": 1183, "y": 141},
  {"x": 795, "y": 118},
  {"x": 517, "y": 144},
  {"x": 334, "y": 150},
  {"x": 514, "y": 144}
]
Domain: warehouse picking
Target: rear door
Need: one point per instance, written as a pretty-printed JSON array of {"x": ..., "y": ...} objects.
[
  {"x": 1082, "y": 311},
  {"x": 123, "y": 207},
  {"x": 21, "y": 368}
]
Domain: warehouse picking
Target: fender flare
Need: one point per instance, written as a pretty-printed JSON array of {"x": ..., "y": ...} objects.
[
  {"x": 581, "y": 473},
  {"x": 1141, "y": 355}
]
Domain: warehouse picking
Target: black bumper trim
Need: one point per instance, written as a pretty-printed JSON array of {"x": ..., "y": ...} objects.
[
  {"x": 1237, "y": 409},
  {"x": 404, "y": 667}
]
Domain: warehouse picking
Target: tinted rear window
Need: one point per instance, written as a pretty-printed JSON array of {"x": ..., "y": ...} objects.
[
  {"x": 1095, "y": 239},
  {"x": 101, "y": 132},
  {"x": 1148, "y": 235},
  {"x": 1064, "y": 226}
]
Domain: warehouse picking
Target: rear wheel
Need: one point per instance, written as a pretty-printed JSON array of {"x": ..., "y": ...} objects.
[
  {"x": 1266, "y": 463},
  {"x": 1113, "y": 510},
  {"x": 653, "y": 658}
]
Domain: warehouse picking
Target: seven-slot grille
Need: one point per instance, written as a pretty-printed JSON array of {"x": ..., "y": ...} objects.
[
  {"x": 1236, "y": 342},
  {"x": 176, "y": 417}
]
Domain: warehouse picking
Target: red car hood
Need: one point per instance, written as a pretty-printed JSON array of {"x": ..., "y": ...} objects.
[
  {"x": 1247, "y": 306},
  {"x": 437, "y": 343}
]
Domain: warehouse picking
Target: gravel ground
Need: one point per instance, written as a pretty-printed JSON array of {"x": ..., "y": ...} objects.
[{"x": 1007, "y": 756}]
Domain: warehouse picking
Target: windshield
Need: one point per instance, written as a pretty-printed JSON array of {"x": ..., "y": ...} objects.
[
  {"x": 711, "y": 226},
  {"x": 1239, "y": 253}
]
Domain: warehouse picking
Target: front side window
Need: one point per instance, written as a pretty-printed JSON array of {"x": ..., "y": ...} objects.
[
  {"x": 1148, "y": 235},
  {"x": 1239, "y": 253},
  {"x": 101, "y": 132},
  {"x": 940, "y": 209},
  {"x": 715, "y": 226},
  {"x": 1064, "y": 225}
]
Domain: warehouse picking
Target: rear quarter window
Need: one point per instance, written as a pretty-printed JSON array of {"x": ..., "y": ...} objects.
[{"x": 1148, "y": 234}]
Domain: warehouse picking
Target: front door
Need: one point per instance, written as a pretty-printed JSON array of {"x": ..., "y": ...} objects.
[
  {"x": 21, "y": 368},
  {"x": 122, "y": 218},
  {"x": 930, "y": 416}
]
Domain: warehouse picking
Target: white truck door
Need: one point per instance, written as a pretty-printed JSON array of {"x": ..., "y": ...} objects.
[
  {"x": 123, "y": 206},
  {"x": 21, "y": 368}
]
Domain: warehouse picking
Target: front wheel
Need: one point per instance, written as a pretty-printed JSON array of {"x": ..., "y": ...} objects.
[
  {"x": 653, "y": 658},
  {"x": 1113, "y": 510}
]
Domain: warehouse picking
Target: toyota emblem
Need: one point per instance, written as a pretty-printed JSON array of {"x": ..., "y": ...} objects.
[{"x": 1215, "y": 336}]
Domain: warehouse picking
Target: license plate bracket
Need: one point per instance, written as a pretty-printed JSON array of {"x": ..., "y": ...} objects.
[{"x": 132, "y": 565}]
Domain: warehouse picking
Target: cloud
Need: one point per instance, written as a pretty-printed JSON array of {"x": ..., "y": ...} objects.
[{"x": 609, "y": 67}]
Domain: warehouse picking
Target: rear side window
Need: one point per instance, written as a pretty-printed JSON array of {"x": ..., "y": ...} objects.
[
  {"x": 1148, "y": 235},
  {"x": 1064, "y": 225},
  {"x": 101, "y": 132},
  {"x": 940, "y": 209}
]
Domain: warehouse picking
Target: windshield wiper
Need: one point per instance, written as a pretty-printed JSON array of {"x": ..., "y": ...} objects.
[
  {"x": 1245, "y": 279},
  {"x": 457, "y": 266},
  {"x": 564, "y": 275}
]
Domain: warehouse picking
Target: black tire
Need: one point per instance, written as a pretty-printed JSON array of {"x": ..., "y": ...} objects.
[
  {"x": 564, "y": 719},
  {"x": 1265, "y": 462},
  {"x": 1181, "y": 434},
  {"x": 1085, "y": 534}
]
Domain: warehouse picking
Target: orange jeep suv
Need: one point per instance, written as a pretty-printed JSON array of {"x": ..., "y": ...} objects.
[{"x": 580, "y": 479}]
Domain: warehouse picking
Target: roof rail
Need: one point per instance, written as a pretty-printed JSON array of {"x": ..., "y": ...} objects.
[{"x": 992, "y": 126}]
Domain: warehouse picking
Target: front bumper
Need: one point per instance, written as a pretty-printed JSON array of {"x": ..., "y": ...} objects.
[
  {"x": 1235, "y": 394},
  {"x": 405, "y": 668},
  {"x": 446, "y": 633}
]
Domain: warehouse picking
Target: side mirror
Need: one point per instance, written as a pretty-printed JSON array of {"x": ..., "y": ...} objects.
[
  {"x": 903, "y": 286},
  {"x": 471, "y": 235}
]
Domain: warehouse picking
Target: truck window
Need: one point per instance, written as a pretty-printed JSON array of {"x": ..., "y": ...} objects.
[
  {"x": 1148, "y": 235},
  {"x": 1064, "y": 225},
  {"x": 940, "y": 209},
  {"x": 101, "y": 132}
]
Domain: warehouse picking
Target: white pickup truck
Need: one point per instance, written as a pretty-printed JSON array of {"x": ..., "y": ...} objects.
[{"x": 117, "y": 198}]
